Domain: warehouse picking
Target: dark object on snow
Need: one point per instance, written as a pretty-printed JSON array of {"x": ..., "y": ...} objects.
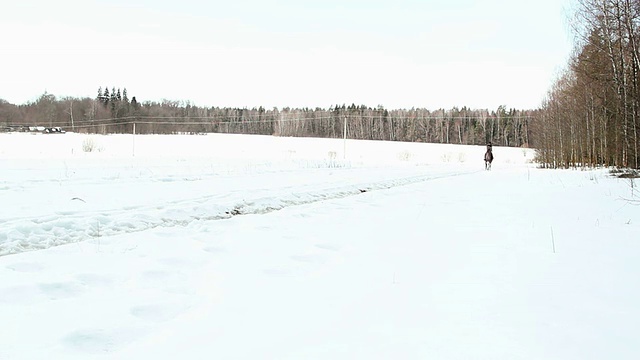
[
  {"x": 234, "y": 212},
  {"x": 488, "y": 157},
  {"x": 627, "y": 174},
  {"x": 53, "y": 130}
]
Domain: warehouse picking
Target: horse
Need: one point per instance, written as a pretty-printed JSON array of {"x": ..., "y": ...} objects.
[{"x": 488, "y": 157}]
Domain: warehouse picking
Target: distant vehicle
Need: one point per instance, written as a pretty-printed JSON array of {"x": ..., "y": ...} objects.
[{"x": 53, "y": 130}]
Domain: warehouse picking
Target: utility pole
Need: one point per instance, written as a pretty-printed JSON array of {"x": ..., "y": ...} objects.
[
  {"x": 133, "y": 145},
  {"x": 344, "y": 145},
  {"x": 70, "y": 112}
]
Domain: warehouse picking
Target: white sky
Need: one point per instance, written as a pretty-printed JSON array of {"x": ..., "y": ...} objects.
[{"x": 399, "y": 54}]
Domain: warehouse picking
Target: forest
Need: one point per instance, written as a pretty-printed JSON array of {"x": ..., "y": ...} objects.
[
  {"x": 591, "y": 114},
  {"x": 112, "y": 111}
]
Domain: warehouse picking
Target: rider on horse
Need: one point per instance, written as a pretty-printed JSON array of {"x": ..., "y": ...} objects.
[{"x": 488, "y": 156}]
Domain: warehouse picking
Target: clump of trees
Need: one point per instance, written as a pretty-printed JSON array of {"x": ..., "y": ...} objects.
[
  {"x": 591, "y": 114},
  {"x": 117, "y": 102},
  {"x": 78, "y": 114},
  {"x": 111, "y": 111}
]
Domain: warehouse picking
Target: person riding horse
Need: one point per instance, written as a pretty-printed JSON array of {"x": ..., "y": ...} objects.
[{"x": 488, "y": 157}]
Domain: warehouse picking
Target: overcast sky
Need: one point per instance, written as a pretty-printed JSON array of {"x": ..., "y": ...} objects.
[{"x": 297, "y": 53}]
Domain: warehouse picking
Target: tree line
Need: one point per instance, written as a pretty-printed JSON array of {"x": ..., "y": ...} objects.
[
  {"x": 112, "y": 111},
  {"x": 590, "y": 116}
]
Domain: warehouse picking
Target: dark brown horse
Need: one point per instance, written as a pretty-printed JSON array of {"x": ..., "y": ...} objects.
[{"x": 488, "y": 157}]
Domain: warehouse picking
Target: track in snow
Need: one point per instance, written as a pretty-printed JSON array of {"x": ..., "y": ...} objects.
[{"x": 27, "y": 234}]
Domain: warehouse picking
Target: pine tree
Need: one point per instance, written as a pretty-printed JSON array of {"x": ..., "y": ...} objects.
[{"x": 105, "y": 96}]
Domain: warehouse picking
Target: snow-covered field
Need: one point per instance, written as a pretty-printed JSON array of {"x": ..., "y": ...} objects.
[{"x": 255, "y": 247}]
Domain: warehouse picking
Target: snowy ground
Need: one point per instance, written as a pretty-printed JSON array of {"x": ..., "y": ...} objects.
[{"x": 252, "y": 247}]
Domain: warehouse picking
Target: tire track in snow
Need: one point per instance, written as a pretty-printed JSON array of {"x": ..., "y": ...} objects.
[{"x": 29, "y": 234}]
